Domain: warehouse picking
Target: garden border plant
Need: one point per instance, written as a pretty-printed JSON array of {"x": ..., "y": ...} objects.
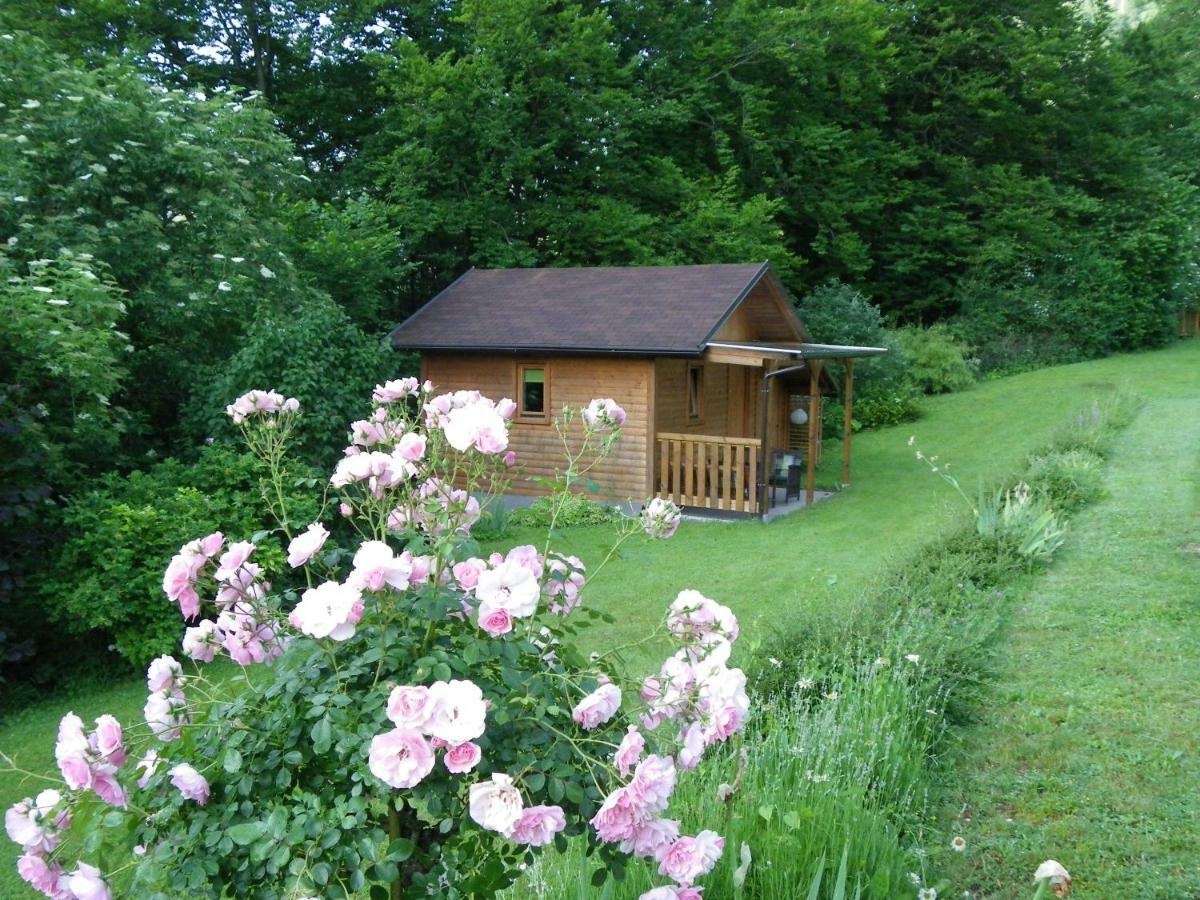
[{"x": 317, "y": 771}]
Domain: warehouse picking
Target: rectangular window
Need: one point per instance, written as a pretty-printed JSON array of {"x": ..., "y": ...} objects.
[
  {"x": 695, "y": 388},
  {"x": 533, "y": 401}
]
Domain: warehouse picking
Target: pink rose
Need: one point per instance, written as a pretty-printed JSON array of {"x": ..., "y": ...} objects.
[
  {"x": 86, "y": 883},
  {"x": 409, "y": 707},
  {"x": 510, "y": 459},
  {"x": 693, "y": 746},
  {"x": 191, "y": 784},
  {"x": 603, "y": 413},
  {"x": 597, "y": 707},
  {"x": 109, "y": 745},
  {"x": 375, "y": 566},
  {"x": 458, "y": 711},
  {"x": 163, "y": 674},
  {"x": 202, "y": 642},
  {"x": 346, "y": 509},
  {"x": 660, "y": 518},
  {"x": 495, "y": 622},
  {"x": 43, "y": 876},
  {"x": 107, "y": 788},
  {"x": 411, "y": 447},
  {"x": 673, "y": 892},
  {"x": 71, "y": 751},
  {"x": 689, "y": 858},
  {"x": 652, "y": 785},
  {"x": 233, "y": 559},
  {"x": 526, "y": 556},
  {"x": 304, "y": 547},
  {"x": 467, "y": 572},
  {"x": 507, "y": 408},
  {"x": 511, "y": 587},
  {"x": 629, "y": 752},
  {"x": 651, "y": 838},
  {"x": 463, "y": 757},
  {"x": 617, "y": 818},
  {"x": 400, "y": 758},
  {"x": 538, "y": 825},
  {"x": 211, "y": 544}
]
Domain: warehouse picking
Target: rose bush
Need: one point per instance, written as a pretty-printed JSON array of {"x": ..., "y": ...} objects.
[{"x": 413, "y": 719}]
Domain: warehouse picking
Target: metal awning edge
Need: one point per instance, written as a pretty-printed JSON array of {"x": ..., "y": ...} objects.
[{"x": 805, "y": 351}]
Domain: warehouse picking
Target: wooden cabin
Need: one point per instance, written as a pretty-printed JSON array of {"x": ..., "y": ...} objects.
[
  {"x": 1189, "y": 322},
  {"x": 710, "y": 363}
]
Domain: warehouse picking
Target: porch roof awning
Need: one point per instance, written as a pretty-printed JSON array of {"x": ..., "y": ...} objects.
[{"x": 801, "y": 351}]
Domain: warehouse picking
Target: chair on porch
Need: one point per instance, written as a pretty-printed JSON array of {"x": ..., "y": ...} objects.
[{"x": 785, "y": 473}]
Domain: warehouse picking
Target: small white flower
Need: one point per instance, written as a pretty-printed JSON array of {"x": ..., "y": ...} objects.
[
  {"x": 775, "y": 662},
  {"x": 832, "y": 695},
  {"x": 75, "y": 98},
  {"x": 21, "y": 139},
  {"x": 913, "y": 658},
  {"x": 20, "y": 199},
  {"x": 42, "y": 289},
  {"x": 178, "y": 218},
  {"x": 224, "y": 286},
  {"x": 804, "y": 684},
  {"x": 31, "y": 104},
  {"x": 59, "y": 302},
  {"x": 959, "y": 843},
  {"x": 265, "y": 272},
  {"x": 218, "y": 256},
  {"x": 927, "y": 894},
  {"x": 99, "y": 169},
  {"x": 164, "y": 247},
  {"x": 237, "y": 259},
  {"x": 914, "y": 879},
  {"x": 881, "y": 661}
]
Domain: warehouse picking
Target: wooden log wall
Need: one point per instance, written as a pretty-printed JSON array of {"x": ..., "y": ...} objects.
[{"x": 571, "y": 381}]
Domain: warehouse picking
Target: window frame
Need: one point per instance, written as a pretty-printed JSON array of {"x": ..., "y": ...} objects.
[
  {"x": 695, "y": 415},
  {"x": 534, "y": 418}
]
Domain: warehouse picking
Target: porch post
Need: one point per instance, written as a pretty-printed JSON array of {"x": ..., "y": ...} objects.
[
  {"x": 847, "y": 406},
  {"x": 814, "y": 410},
  {"x": 763, "y": 487}
]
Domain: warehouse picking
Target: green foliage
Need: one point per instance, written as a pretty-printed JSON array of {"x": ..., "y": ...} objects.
[
  {"x": 936, "y": 360},
  {"x": 1025, "y": 520},
  {"x": 565, "y": 511},
  {"x": 312, "y": 352},
  {"x": 1068, "y": 480},
  {"x": 837, "y": 313},
  {"x": 107, "y": 577}
]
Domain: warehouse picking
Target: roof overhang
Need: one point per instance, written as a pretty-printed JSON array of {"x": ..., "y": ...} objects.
[{"x": 757, "y": 353}]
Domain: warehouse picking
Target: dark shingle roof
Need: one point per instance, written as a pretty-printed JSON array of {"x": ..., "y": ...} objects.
[{"x": 636, "y": 309}]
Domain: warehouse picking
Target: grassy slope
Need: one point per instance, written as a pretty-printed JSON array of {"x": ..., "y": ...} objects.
[
  {"x": 1091, "y": 753},
  {"x": 766, "y": 573}
]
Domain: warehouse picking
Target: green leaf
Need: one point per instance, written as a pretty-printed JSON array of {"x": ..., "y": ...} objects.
[
  {"x": 400, "y": 849},
  {"x": 322, "y": 736},
  {"x": 599, "y": 877},
  {"x": 233, "y": 760},
  {"x": 246, "y": 833}
]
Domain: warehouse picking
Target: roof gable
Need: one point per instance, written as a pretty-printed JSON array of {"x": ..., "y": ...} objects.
[{"x": 650, "y": 310}]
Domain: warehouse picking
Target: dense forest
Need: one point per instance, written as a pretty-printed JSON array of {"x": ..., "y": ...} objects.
[{"x": 202, "y": 197}]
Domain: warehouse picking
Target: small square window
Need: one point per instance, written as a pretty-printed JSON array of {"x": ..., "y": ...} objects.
[
  {"x": 532, "y": 384},
  {"x": 695, "y": 389}
]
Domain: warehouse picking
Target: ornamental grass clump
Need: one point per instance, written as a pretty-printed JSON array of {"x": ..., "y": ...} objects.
[{"x": 412, "y": 719}]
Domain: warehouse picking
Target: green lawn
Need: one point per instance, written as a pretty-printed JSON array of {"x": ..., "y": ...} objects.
[
  {"x": 812, "y": 565},
  {"x": 1090, "y": 753}
]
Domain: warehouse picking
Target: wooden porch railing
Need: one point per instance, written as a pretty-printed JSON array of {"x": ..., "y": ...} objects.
[{"x": 708, "y": 471}]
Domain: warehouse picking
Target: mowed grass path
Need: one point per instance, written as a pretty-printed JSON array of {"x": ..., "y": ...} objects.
[
  {"x": 1091, "y": 753},
  {"x": 809, "y": 566}
]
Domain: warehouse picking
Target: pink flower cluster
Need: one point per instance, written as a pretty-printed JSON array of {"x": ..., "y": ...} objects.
[
  {"x": 259, "y": 402},
  {"x": 399, "y": 389},
  {"x": 497, "y": 805},
  {"x": 379, "y": 471},
  {"x": 446, "y": 715},
  {"x": 183, "y": 572},
  {"x": 603, "y": 414},
  {"x": 47, "y": 876},
  {"x": 470, "y": 420},
  {"x": 437, "y": 507},
  {"x": 166, "y": 707},
  {"x": 631, "y": 815},
  {"x": 242, "y": 627},
  {"x": 91, "y": 761},
  {"x": 565, "y": 583},
  {"x": 660, "y": 518}
]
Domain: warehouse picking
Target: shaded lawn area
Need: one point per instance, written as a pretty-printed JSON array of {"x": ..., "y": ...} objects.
[
  {"x": 1091, "y": 752},
  {"x": 806, "y": 567}
]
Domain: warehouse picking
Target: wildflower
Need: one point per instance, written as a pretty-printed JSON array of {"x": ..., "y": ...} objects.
[
  {"x": 927, "y": 894},
  {"x": 914, "y": 879},
  {"x": 804, "y": 684},
  {"x": 913, "y": 658},
  {"x": 832, "y": 695},
  {"x": 777, "y": 663},
  {"x": 224, "y": 286},
  {"x": 265, "y": 272},
  {"x": 959, "y": 843},
  {"x": 31, "y": 104}
]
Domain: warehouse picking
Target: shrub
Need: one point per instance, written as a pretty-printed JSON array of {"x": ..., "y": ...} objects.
[
  {"x": 836, "y": 313},
  {"x": 1023, "y": 519},
  {"x": 1067, "y": 480},
  {"x": 108, "y": 575},
  {"x": 425, "y": 724},
  {"x": 564, "y": 512},
  {"x": 937, "y": 361},
  {"x": 313, "y": 352}
]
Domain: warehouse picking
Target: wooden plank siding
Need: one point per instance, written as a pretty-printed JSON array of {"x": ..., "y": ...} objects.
[{"x": 571, "y": 381}]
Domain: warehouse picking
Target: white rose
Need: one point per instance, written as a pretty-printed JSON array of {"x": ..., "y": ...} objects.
[
  {"x": 457, "y": 711},
  {"x": 496, "y": 805},
  {"x": 510, "y": 587}
]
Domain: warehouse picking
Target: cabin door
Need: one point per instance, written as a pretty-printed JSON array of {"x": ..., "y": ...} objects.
[{"x": 744, "y": 384}]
